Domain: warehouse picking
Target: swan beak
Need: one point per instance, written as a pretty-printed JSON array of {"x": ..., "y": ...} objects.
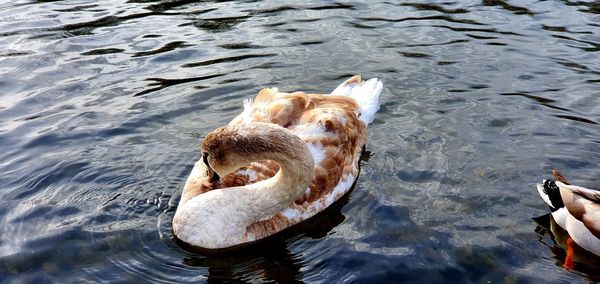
[{"x": 214, "y": 177}]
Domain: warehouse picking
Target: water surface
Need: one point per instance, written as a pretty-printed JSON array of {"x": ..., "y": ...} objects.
[{"x": 103, "y": 106}]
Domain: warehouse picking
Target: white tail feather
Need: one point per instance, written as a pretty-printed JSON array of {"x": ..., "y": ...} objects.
[{"x": 365, "y": 93}]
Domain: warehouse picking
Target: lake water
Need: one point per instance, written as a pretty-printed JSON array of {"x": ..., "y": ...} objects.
[{"x": 103, "y": 106}]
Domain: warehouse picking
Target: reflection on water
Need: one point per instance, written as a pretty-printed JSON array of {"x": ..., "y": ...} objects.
[
  {"x": 270, "y": 259},
  {"x": 103, "y": 106},
  {"x": 586, "y": 263}
]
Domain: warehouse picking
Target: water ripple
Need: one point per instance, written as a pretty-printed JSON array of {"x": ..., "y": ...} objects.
[{"x": 103, "y": 107}]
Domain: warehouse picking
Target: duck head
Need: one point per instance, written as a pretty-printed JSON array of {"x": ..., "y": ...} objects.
[{"x": 552, "y": 192}]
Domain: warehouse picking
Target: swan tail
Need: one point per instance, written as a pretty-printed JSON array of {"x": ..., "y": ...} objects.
[{"x": 365, "y": 93}]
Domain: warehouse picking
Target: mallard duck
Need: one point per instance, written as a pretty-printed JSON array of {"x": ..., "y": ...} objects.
[
  {"x": 546, "y": 224},
  {"x": 285, "y": 158},
  {"x": 577, "y": 210}
]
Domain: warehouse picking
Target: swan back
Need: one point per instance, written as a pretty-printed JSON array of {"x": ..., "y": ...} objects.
[{"x": 333, "y": 128}]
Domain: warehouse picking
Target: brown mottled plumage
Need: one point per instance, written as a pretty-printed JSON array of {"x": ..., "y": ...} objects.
[
  {"x": 330, "y": 126},
  {"x": 335, "y": 113}
]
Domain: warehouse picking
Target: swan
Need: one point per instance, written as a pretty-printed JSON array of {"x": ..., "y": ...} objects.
[
  {"x": 576, "y": 209},
  {"x": 285, "y": 158}
]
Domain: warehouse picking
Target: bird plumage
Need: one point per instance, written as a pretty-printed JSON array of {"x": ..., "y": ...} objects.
[
  {"x": 333, "y": 129},
  {"x": 576, "y": 209}
]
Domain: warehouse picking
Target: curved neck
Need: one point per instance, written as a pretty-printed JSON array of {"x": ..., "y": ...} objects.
[
  {"x": 290, "y": 182},
  {"x": 295, "y": 174},
  {"x": 241, "y": 145}
]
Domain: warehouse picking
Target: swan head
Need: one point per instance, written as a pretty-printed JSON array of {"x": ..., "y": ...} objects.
[
  {"x": 211, "y": 175},
  {"x": 231, "y": 147}
]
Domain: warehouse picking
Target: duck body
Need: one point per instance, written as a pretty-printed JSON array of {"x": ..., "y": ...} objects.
[
  {"x": 561, "y": 238},
  {"x": 285, "y": 158},
  {"x": 575, "y": 209}
]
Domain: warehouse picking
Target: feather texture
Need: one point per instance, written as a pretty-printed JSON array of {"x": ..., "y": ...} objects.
[
  {"x": 576, "y": 209},
  {"x": 334, "y": 130}
]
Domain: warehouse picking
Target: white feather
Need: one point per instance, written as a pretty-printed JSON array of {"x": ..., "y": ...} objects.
[
  {"x": 340, "y": 189},
  {"x": 581, "y": 235},
  {"x": 292, "y": 214},
  {"x": 366, "y": 94},
  {"x": 250, "y": 173},
  {"x": 545, "y": 197},
  {"x": 317, "y": 151},
  {"x": 248, "y": 109},
  {"x": 560, "y": 216},
  {"x": 312, "y": 209}
]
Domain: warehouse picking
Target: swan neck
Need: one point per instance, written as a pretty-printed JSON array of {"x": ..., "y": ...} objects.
[
  {"x": 292, "y": 179},
  {"x": 234, "y": 146},
  {"x": 295, "y": 173}
]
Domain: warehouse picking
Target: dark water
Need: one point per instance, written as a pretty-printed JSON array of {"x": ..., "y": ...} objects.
[{"x": 103, "y": 106}]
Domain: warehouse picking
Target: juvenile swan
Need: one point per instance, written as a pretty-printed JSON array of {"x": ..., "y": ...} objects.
[{"x": 285, "y": 158}]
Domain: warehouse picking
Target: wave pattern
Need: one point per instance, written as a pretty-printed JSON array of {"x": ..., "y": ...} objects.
[{"x": 103, "y": 106}]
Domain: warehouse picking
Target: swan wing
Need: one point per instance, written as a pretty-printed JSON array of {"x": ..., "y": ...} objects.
[
  {"x": 334, "y": 133},
  {"x": 334, "y": 129}
]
